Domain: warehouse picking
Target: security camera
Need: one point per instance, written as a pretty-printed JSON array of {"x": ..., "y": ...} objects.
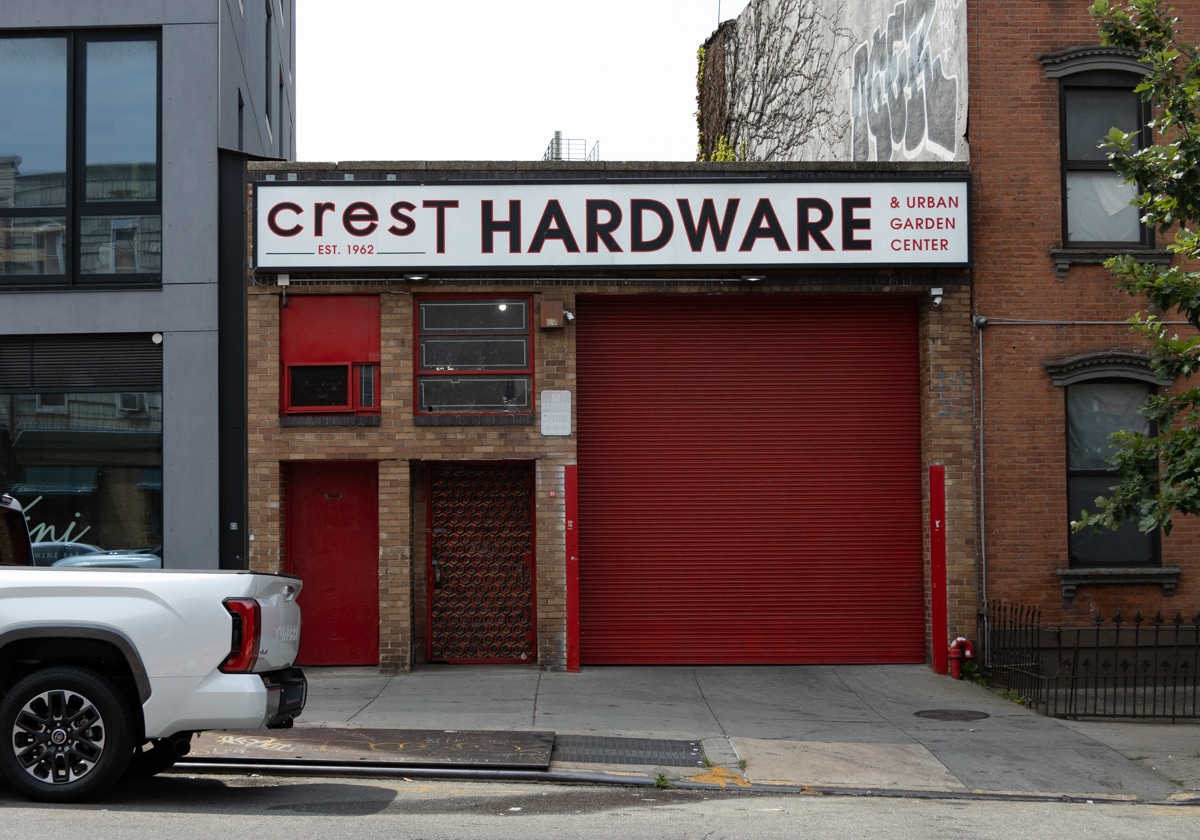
[
  {"x": 570, "y": 315},
  {"x": 936, "y": 294}
]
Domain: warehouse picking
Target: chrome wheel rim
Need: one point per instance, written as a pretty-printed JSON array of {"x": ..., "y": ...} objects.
[{"x": 58, "y": 737}]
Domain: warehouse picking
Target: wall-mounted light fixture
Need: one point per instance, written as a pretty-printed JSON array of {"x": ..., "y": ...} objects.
[
  {"x": 283, "y": 280},
  {"x": 754, "y": 278},
  {"x": 416, "y": 278},
  {"x": 936, "y": 294}
]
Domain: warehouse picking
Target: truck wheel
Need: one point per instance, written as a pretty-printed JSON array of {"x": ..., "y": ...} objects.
[{"x": 66, "y": 735}]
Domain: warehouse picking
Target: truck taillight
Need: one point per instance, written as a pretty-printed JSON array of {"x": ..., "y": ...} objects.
[{"x": 243, "y": 649}]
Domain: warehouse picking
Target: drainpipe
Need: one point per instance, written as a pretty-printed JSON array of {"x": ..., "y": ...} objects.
[{"x": 979, "y": 322}]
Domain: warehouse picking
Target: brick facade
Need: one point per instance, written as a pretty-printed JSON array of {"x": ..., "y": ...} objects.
[
  {"x": 403, "y": 449},
  {"x": 1036, "y": 314}
]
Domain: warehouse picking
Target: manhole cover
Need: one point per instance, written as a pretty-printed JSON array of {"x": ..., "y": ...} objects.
[{"x": 952, "y": 714}]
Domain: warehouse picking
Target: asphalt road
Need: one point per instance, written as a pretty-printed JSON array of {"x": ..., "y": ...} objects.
[{"x": 297, "y": 808}]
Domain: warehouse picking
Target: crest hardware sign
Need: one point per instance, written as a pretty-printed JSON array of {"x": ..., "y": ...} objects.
[{"x": 723, "y": 224}]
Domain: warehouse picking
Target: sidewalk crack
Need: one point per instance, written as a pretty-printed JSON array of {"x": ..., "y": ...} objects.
[
  {"x": 708, "y": 705},
  {"x": 537, "y": 695},
  {"x": 367, "y": 704}
]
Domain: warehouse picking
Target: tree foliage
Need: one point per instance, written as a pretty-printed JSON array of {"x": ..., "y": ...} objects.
[{"x": 1160, "y": 472}]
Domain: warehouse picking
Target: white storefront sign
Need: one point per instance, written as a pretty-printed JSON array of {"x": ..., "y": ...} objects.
[
  {"x": 720, "y": 224},
  {"x": 556, "y": 412}
]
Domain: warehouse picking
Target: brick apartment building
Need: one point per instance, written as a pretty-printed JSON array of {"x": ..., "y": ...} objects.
[{"x": 1057, "y": 368}]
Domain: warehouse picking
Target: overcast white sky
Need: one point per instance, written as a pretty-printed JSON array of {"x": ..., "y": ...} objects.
[{"x": 494, "y": 79}]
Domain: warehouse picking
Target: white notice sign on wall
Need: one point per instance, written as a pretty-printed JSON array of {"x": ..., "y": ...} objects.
[{"x": 556, "y": 412}]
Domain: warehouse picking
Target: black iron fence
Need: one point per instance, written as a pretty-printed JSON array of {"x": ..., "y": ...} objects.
[{"x": 1119, "y": 667}]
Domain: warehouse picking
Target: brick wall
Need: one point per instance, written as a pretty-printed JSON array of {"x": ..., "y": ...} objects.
[
  {"x": 403, "y": 448},
  {"x": 397, "y": 444},
  {"x": 1034, "y": 315},
  {"x": 947, "y": 386}
]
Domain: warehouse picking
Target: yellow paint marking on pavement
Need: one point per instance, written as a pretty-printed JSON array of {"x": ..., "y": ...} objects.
[{"x": 719, "y": 776}]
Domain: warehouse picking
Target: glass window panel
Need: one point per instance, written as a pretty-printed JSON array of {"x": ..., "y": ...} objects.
[
  {"x": 32, "y": 246},
  {"x": 120, "y": 244},
  {"x": 474, "y": 393},
  {"x": 1126, "y": 546},
  {"x": 53, "y": 403},
  {"x": 122, "y": 121},
  {"x": 90, "y": 476},
  {"x": 33, "y": 122},
  {"x": 319, "y": 386},
  {"x": 474, "y": 354},
  {"x": 475, "y": 316},
  {"x": 1092, "y": 113},
  {"x": 366, "y": 386},
  {"x": 1094, "y": 411},
  {"x": 1099, "y": 208}
]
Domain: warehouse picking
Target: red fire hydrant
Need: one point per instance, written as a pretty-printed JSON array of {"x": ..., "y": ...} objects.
[{"x": 960, "y": 649}]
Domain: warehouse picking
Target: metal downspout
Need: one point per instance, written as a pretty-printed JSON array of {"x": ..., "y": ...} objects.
[{"x": 979, "y": 323}]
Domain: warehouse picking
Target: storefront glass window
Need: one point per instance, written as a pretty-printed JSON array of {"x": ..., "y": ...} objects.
[{"x": 87, "y": 467}]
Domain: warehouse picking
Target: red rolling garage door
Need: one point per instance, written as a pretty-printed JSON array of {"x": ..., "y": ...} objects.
[{"x": 749, "y": 480}]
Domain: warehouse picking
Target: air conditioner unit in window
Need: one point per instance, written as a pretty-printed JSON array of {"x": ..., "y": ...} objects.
[{"x": 131, "y": 403}]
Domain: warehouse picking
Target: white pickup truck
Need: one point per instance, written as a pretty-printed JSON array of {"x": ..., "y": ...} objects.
[{"x": 108, "y": 672}]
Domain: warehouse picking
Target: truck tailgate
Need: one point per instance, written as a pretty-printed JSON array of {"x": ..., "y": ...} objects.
[{"x": 279, "y": 644}]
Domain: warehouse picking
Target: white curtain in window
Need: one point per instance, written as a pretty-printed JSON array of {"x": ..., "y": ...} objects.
[{"x": 1100, "y": 209}]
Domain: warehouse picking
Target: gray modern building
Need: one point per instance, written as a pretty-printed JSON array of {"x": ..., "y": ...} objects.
[{"x": 125, "y": 128}]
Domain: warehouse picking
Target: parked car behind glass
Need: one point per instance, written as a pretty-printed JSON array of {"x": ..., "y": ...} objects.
[
  {"x": 49, "y": 553},
  {"x": 128, "y": 558}
]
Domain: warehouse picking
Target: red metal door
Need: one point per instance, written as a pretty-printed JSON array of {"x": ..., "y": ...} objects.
[
  {"x": 481, "y": 569},
  {"x": 333, "y": 545},
  {"x": 749, "y": 480}
]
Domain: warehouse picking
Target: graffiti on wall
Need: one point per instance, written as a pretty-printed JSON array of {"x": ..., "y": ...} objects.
[
  {"x": 826, "y": 80},
  {"x": 904, "y": 105}
]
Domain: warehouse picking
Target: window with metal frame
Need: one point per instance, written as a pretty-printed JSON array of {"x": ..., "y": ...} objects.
[
  {"x": 80, "y": 153},
  {"x": 475, "y": 356},
  {"x": 1098, "y": 209},
  {"x": 329, "y": 354},
  {"x": 1096, "y": 408}
]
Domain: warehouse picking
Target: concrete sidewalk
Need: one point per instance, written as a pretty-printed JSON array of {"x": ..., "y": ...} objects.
[{"x": 884, "y": 728}]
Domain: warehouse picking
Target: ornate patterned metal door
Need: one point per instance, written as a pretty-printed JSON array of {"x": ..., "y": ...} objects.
[{"x": 481, "y": 570}]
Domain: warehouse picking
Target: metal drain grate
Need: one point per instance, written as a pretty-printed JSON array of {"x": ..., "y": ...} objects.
[
  {"x": 594, "y": 749},
  {"x": 952, "y": 714}
]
